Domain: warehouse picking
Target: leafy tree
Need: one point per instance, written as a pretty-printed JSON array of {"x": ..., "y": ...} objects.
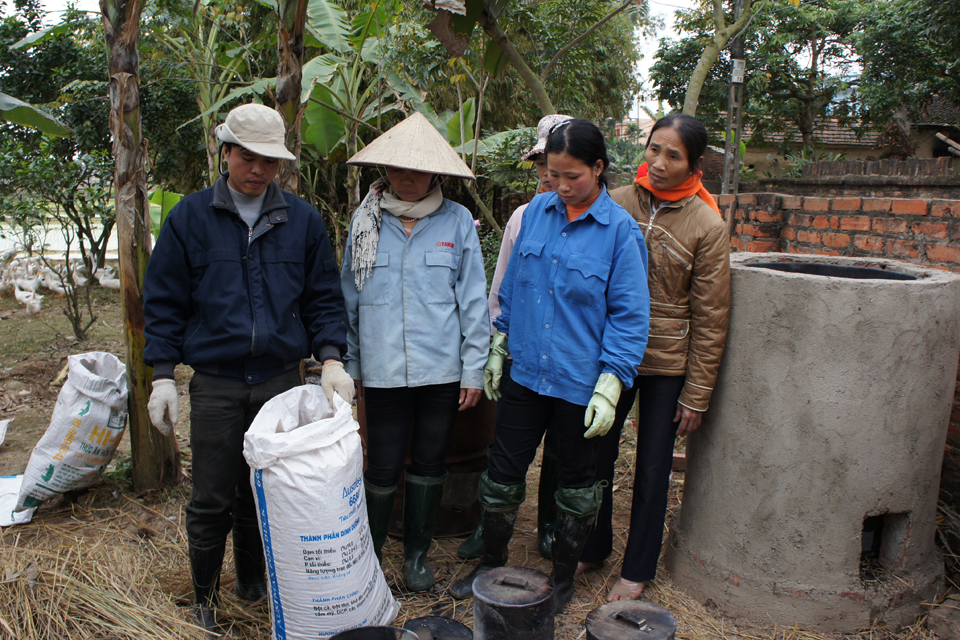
[
  {"x": 911, "y": 57},
  {"x": 800, "y": 66}
]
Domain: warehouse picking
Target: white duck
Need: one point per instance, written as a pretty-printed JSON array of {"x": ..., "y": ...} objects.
[
  {"x": 26, "y": 281},
  {"x": 30, "y": 299},
  {"x": 106, "y": 278}
]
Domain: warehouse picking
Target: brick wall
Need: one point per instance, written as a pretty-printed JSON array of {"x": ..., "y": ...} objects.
[{"x": 923, "y": 231}]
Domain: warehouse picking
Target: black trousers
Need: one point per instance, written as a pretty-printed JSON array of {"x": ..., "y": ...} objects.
[
  {"x": 522, "y": 418},
  {"x": 394, "y": 415},
  {"x": 656, "y": 431},
  {"x": 221, "y": 411}
]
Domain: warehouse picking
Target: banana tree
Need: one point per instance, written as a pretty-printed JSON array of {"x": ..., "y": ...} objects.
[
  {"x": 290, "y": 44},
  {"x": 156, "y": 460},
  {"x": 215, "y": 63}
]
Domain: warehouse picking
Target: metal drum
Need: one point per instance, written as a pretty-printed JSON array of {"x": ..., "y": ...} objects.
[
  {"x": 438, "y": 628},
  {"x": 513, "y": 603},
  {"x": 630, "y": 620},
  {"x": 376, "y": 633},
  {"x": 466, "y": 460}
]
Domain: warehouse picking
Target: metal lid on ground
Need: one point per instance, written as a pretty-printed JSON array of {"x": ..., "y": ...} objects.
[{"x": 413, "y": 144}]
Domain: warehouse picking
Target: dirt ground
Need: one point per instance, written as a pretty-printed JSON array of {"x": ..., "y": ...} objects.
[{"x": 137, "y": 542}]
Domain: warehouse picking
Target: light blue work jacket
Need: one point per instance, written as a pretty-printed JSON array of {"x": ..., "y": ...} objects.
[
  {"x": 421, "y": 317},
  {"x": 574, "y": 300}
]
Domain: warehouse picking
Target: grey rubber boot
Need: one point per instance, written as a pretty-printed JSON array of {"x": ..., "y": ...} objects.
[{"x": 249, "y": 561}]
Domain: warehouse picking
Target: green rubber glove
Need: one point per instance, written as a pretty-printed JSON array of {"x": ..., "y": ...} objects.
[
  {"x": 603, "y": 406},
  {"x": 493, "y": 370}
]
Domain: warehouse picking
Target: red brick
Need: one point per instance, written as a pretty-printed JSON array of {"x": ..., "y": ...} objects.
[
  {"x": 810, "y": 237},
  {"x": 913, "y": 207},
  {"x": 755, "y": 231},
  {"x": 855, "y": 223},
  {"x": 800, "y": 220},
  {"x": 736, "y": 243},
  {"x": 826, "y": 222},
  {"x": 868, "y": 243},
  {"x": 761, "y": 215},
  {"x": 788, "y": 233},
  {"x": 889, "y": 225},
  {"x": 793, "y": 249},
  {"x": 846, "y": 204},
  {"x": 943, "y": 253},
  {"x": 945, "y": 208},
  {"x": 792, "y": 202},
  {"x": 816, "y": 204},
  {"x": 931, "y": 229},
  {"x": 876, "y": 204},
  {"x": 746, "y": 198},
  {"x": 725, "y": 199},
  {"x": 902, "y": 248},
  {"x": 836, "y": 239},
  {"x": 763, "y": 246},
  {"x": 828, "y": 252}
]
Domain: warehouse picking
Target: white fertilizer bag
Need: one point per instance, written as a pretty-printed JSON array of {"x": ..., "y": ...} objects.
[
  {"x": 306, "y": 468},
  {"x": 87, "y": 424}
]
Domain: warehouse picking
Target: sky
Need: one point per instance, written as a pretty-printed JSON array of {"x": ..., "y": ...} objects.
[{"x": 664, "y": 9}]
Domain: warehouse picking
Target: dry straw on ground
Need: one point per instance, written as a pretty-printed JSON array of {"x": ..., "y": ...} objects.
[{"x": 112, "y": 566}]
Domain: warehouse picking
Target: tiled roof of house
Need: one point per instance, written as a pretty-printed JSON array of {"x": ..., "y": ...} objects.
[
  {"x": 938, "y": 113},
  {"x": 827, "y": 132}
]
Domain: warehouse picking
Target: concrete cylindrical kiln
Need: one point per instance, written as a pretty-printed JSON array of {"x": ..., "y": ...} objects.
[{"x": 824, "y": 437}]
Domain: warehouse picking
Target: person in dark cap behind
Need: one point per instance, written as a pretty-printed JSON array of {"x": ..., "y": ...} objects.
[{"x": 241, "y": 286}]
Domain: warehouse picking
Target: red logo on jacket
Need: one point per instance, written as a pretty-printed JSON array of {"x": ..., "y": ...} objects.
[{"x": 445, "y": 244}]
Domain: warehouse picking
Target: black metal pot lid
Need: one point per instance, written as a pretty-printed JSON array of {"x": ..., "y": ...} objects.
[
  {"x": 438, "y": 628},
  {"x": 630, "y": 620},
  {"x": 512, "y": 586}
]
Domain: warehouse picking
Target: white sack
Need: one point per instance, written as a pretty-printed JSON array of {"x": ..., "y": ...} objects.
[
  {"x": 306, "y": 468},
  {"x": 87, "y": 424}
]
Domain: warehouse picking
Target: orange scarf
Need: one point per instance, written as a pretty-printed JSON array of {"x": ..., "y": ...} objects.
[
  {"x": 687, "y": 188},
  {"x": 575, "y": 211}
]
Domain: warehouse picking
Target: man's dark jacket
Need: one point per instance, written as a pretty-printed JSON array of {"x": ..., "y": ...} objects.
[{"x": 241, "y": 303}]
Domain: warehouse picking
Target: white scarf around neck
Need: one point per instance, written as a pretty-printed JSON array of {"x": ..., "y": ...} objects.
[{"x": 365, "y": 234}]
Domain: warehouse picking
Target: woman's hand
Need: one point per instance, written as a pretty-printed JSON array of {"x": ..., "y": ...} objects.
[
  {"x": 469, "y": 398},
  {"x": 689, "y": 420},
  {"x": 358, "y": 385}
]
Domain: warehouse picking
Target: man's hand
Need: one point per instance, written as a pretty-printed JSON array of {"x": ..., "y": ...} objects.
[
  {"x": 688, "y": 418},
  {"x": 335, "y": 379},
  {"x": 469, "y": 398},
  {"x": 164, "y": 406}
]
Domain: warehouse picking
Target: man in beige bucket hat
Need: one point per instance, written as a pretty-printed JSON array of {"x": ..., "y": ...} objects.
[{"x": 242, "y": 285}]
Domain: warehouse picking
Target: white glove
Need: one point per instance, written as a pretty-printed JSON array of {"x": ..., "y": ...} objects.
[
  {"x": 164, "y": 406},
  {"x": 333, "y": 378},
  {"x": 602, "y": 409}
]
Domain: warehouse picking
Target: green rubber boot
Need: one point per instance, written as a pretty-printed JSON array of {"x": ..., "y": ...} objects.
[
  {"x": 421, "y": 502},
  {"x": 379, "y": 511},
  {"x": 547, "y": 503}
]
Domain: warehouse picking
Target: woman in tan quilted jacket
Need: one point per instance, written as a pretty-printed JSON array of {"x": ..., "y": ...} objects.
[{"x": 689, "y": 282}]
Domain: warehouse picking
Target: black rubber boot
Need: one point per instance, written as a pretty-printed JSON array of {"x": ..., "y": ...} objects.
[
  {"x": 206, "y": 560},
  {"x": 472, "y": 547},
  {"x": 547, "y": 503},
  {"x": 249, "y": 561},
  {"x": 576, "y": 516},
  {"x": 379, "y": 512},
  {"x": 421, "y": 500},
  {"x": 500, "y": 505}
]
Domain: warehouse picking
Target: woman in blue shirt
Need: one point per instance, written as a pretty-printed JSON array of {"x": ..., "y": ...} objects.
[
  {"x": 418, "y": 328},
  {"x": 575, "y": 306}
]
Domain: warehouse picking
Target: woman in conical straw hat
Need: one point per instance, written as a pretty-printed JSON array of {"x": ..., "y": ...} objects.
[{"x": 418, "y": 327}]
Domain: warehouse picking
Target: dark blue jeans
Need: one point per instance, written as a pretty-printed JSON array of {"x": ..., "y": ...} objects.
[
  {"x": 221, "y": 411},
  {"x": 422, "y": 416},
  {"x": 656, "y": 406}
]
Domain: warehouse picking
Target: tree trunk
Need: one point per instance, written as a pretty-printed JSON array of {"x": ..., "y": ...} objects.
[
  {"x": 721, "y": 37},
  {"x": 293, "y": 15},
  {"x": 156, "y": 460},
  {"x": 531, "y": 79}
]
